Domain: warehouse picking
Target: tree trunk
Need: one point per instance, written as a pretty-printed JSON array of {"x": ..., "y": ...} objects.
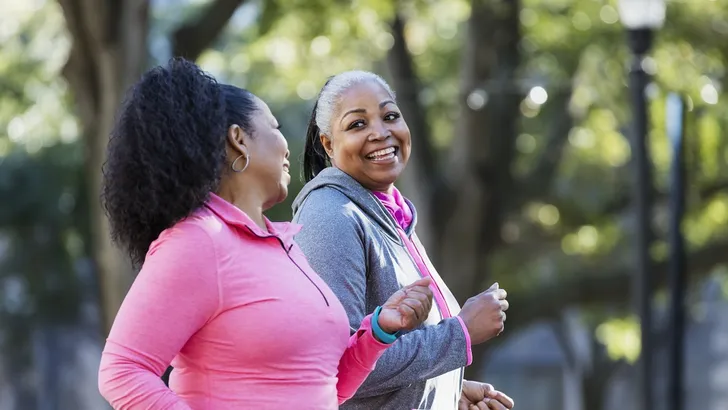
[
  {"x": 109, "y": 53},
  {"x": 421, "y": 180},
  {"x": 479, "y": 171},
  {"x": 461, "y": 211},
  {"x": 595, "y": 383}
]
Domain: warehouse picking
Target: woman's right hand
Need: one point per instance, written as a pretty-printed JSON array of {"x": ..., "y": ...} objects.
[
  {"x": 407, "y": 308},
  {"x": 484, "y": 314}
]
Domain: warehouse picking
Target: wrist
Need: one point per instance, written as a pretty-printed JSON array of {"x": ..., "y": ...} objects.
[
  {"x": 466, "y": 328},
  {"x": 379, "y": 333}
]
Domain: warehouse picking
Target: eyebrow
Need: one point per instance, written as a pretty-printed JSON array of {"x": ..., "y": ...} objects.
[{"x": 362, "y": 110}]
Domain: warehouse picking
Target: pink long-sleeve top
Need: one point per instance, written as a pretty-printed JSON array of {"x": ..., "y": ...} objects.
[{"x": 241, "y": 316}]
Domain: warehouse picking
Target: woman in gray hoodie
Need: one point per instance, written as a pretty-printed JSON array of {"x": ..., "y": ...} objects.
[{"x": 359, "y": 235}]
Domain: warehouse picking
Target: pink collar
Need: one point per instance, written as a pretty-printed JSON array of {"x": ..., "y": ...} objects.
[
  {"x": 232, "y": 215},
  {"x": 397, "y": 207}
]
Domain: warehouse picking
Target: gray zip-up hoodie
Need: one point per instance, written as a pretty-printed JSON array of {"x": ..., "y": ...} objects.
[{"x": 353, "y": 243}]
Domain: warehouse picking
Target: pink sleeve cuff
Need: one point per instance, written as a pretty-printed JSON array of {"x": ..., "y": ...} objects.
[
  {"x": 468, "y": 345},
  {"x": 375, "y": 348},
  {"x": 358, "y": 360}
]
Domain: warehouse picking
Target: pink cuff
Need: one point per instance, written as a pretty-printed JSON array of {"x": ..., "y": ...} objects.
[
  {"x": 371, "y": 348},
  {"x": 468, "y": 346}
]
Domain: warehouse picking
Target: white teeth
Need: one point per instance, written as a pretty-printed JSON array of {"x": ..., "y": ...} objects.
[{"x": 381, "y": 153}]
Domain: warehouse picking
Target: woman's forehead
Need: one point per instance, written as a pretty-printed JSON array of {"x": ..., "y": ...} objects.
[{"x": 366, "y": 93}]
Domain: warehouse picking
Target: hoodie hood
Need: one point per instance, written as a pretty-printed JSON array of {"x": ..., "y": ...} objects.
[{"x": 337, "y": 179}]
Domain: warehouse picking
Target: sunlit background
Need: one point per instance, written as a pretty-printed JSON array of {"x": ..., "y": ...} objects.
[{"x": 520, "y": 113}]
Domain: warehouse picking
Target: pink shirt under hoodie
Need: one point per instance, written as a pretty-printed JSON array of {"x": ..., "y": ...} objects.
[
  {"x": 240, "y": 315},
  {"x": 396, "y": 205}
]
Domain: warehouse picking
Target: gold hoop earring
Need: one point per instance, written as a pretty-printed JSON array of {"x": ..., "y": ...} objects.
[{"x": 247, "y": 162}]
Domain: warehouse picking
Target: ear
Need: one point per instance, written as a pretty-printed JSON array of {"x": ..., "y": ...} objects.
[
  {"x": 238, "y": 139},
  {"x": 328, "y": 146}
]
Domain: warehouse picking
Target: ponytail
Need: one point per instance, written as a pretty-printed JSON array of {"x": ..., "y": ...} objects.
[
  {"x": 166, "y": 153},
  {"x": 315, "y": 159}
]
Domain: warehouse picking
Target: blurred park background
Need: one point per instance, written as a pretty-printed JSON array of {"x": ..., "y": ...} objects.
[{"x": 524, "y": 172}]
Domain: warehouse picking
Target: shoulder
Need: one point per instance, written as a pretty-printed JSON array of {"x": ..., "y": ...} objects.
[
  {"x": 328, "y": 216},
  {"x": 328, "y": 205},
  {"x": 325, "y": 197},
  {"x": 193, "y": 234}
]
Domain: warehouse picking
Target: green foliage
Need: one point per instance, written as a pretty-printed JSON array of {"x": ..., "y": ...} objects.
[
  {"x": 43, "y": 212},
  {"x": 621, "y": 336}
]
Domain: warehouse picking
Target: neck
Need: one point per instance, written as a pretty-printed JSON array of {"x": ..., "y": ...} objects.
[
  {"x": 389, "y": 189},
  {"x": 247, "y": 202}
]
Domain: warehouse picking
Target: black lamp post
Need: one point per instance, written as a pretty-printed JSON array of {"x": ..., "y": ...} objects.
[
  {"x": 676, "y": 132},
  {"x": 641, "y": 18}
]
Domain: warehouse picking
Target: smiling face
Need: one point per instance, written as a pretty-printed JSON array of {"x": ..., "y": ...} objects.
[
  {"x": 369, "y": 139},
  {"x": 268, "y": 172},
  {"x": 269, "y": 150}
]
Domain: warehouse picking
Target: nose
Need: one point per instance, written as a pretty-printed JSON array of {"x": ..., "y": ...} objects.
[
  {"x": 380, "y": 132},
  {"x": 288, "y": 153}
]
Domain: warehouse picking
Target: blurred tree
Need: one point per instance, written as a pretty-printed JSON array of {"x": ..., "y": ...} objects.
[
  {"x": 41, "y": 223},
  {"x": 109, "y": 52}
]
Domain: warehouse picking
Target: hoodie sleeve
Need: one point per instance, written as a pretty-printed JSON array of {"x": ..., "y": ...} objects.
[{"x": 334, "y": 242}]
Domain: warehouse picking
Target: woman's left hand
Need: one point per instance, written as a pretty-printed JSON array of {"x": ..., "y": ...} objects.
[
  {"x": 407, "y": 308},
  {"x": 482, "y": 396}
]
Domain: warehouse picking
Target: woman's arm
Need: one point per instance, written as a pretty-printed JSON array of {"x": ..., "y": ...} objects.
[
  {"x": 333, "y": 243},
  {"x": 173, "y": 296},
  {"x": 358, "y": 360},
  {"x": 404, "y": 310}
]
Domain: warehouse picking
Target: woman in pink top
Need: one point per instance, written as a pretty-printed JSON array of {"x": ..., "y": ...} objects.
[{"x": 223, "y": 294}]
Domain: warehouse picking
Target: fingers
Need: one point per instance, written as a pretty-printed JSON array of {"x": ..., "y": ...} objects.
[
  {"x": 493, "y": 287},
  {"x": 501, "y": 397},
  {"x": 424, "y": 282},
  {"x": 425, "y": 291},
  {"x": 416, "y": 306},
  {"x": 504, "y": 305},
  {"x": 494, "y": 405},
  {"x": 410, "y": 314},
  {"x": 503, "y": 315},
  {"x": 498, "y": 294},
  {"x": 421, "y": 293}
]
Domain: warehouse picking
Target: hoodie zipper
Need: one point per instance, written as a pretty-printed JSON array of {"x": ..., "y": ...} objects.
[{"x": 287, "y": 251}]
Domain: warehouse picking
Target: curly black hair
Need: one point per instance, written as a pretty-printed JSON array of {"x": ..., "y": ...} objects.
[{"x": 166, "y": 152}]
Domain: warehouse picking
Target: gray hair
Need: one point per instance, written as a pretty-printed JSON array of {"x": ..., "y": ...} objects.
[{"x": 335, "y": 87}]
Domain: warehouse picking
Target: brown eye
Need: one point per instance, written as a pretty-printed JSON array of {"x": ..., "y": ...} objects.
[
  {"x": 355, "y": 124},
  {"x": 391, "y": 116}
]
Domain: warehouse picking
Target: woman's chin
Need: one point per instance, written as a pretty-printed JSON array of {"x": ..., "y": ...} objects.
[
  {"x": 386, "y": 179},
  {"x": 282, "y": 193},
  {"x": 275, "y": 200}
]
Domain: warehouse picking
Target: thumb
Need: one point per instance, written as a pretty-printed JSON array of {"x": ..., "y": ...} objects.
[
  {"x": 487, "y": 390},
  {"x": 420, "y": 282},
  {"x": 493, "y": 287}
]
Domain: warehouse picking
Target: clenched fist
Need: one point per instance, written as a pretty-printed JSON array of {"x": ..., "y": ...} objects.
[
  {"x": 407, "y": 308},
  {"x": 484, "y": 314}
]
